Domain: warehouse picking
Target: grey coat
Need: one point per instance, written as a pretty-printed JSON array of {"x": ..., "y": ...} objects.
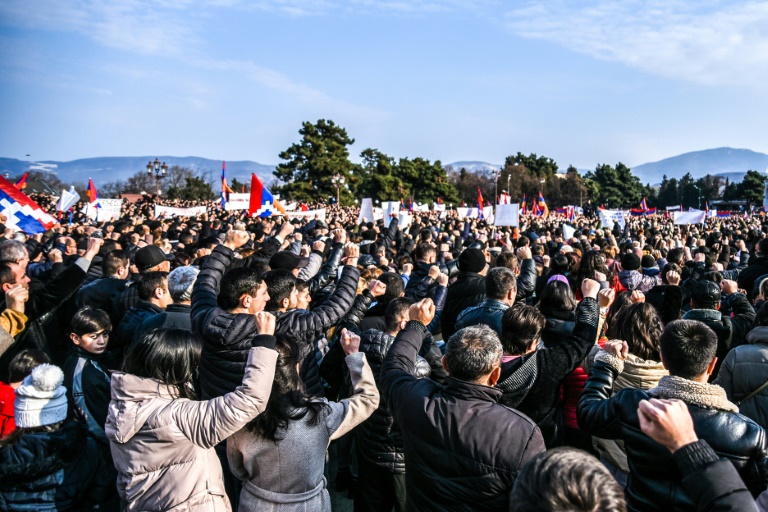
[{"x": 286, "y": 475}]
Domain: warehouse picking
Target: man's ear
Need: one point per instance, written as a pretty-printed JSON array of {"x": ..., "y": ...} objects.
[
  {"x": 494, "y": 377},
  {"x": 711, "y": 366},
  {"x": 661, "y": 357},
  {"x": 245, "y": 301},
  {"x": 445, "y": 365},
  {"x": 285, "y": 303},
  {"x": 7, "y": 287},
  {"x": 717, "y": 308},
  {"x": 75, "y": 338}
]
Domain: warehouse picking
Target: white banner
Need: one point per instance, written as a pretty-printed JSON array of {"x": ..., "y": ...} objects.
[
  {"x": 389, "y": 208},
  {"x": 420, "y": 207},
  {"x": 508, "y": 215},
  {"x": 568, "y": 231},
  {"x": 110, "y": 210},
  {"x": 696, "y": 217},
  {"x": 438, "y": 207},
  {"x": 674, "y": 208},
  {"x": 405, "y": 219},
  {"x": 366, "y": 210},
  {"x": 471, "y": 213},
  {"x": 68, "y": 199},
  {"x": 238, "y": 201},
  {"x": 309, "y": 214},
  {"x": 170, "y": 211},
  {"x": 609, "y": 217}
]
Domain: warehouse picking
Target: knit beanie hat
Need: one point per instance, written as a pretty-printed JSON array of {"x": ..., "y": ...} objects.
[
  {"x": 630, "y": 261},
  {"x": 41, "y": 399},
  {"x": 472, "y": 260}
]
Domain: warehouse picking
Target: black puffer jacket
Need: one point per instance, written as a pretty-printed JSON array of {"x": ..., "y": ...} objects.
[
  {"x": 378, "y": 438},
  {"x": 758, "y": 267},
  {"x": 56, "y": 471},
  {"x": 227, "y": 337},
  {"x": 463, "y": 450},
  {"x": 468, "y": 290},
  {"x": 302, "y": 327},
  {"x": 655, "y": 482}
]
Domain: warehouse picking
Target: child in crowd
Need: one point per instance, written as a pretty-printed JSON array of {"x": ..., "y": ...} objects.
[
  {"x": 86, "y": 374},
  {"x": 20, "y": 366},
  {"x": 49, "y": 463}
]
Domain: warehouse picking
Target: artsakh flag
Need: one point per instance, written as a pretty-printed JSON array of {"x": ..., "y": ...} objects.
[
  {"x": 22, "y": 183},
  {"x": 480, "y": 203},
  {"x": 21, "y": 211},
  {"x": 262, "y": 203},
  {"x": 93, "y": 195},
  {"x": 225, "y": 190}
]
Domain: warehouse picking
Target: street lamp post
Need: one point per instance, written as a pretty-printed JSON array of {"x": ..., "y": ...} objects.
[
  {"x": 338, "y": 180},
  {"x": 157, "y": 171}
]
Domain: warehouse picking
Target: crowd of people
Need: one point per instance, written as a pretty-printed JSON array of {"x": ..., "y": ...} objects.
[{"x": 218, "y": 362}]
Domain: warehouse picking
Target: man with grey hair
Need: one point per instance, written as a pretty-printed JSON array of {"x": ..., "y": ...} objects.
[
  {"x": 176, "y": 315},
  {"x": 463, "y": 449}
]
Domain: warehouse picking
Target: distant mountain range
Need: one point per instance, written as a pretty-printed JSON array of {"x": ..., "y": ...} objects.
[
  {"x": 727, "y": 162},
  {"x": 107, "y": 169}
]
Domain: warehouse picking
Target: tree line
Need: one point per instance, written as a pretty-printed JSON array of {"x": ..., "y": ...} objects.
[{"x": 313, "y": 168}]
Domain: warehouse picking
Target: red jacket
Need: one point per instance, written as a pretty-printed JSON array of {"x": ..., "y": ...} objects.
[{"x": 7, "y": 397}]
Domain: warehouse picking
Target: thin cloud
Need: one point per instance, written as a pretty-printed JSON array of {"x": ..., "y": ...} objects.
[
  {"x": 141, "y": 26},
  {"x": 278, "y": 81},
  {"x": 708, "y": 42}
]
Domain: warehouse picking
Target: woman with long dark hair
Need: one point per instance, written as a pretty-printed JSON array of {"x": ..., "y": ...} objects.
[
  {"x": 162, "y": 439},
  {"x": 280, "y": 456}
]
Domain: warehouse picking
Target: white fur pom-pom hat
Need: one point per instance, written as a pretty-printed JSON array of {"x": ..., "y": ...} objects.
[{"x": 41, "y": 399}]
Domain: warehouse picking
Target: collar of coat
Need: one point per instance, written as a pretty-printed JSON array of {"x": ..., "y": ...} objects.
[
  {"x": 703, "y": 315},
  {"x": 470, "y": 391},
  {"x": 701, "y": 394}
]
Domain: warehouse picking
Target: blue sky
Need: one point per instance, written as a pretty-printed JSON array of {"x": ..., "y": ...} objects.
[{"x": 583, "y": 82}]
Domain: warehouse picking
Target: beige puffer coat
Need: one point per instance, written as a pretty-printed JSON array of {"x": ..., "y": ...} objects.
[{"x": 163, "y": 447}]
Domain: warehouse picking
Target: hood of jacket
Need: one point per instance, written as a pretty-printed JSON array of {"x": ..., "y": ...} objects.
[
  {"x": 630, "y": 279},
  {"x": 133, "y": 402},
  {"x": 758, "y": 335},
  {"x": 640, "y": 374}
]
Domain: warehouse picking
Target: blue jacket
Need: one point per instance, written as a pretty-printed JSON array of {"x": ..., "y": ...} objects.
[{"x": 488, "y": 312}]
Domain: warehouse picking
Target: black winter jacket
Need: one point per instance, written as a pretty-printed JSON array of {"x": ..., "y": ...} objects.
[
  {"x": 227, "y": 337},
  {"x": 756, "y": 268},
  {"x": 463, "y": 450},
  {"x": 43, "y": 331},
  {"x": 142, "y": 311},
  {"x": 712, "y": 483},
  {"x": 468, "y": 290},
  {"x": 379, "y": 439},
  {"x": 101, "y": 294},
  {"x": 731, "y": 330},
  {"x": 56, "y": 471},
  {"x": 526, "y": 281},
  {"x": 655, "y": 483}
]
